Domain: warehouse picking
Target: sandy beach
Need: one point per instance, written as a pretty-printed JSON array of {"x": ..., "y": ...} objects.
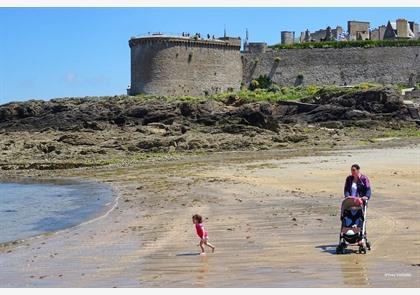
[{"x": 273, "y": 216}]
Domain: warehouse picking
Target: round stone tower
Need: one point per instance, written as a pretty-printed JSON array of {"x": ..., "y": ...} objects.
[{"x": 177, "y": 66}]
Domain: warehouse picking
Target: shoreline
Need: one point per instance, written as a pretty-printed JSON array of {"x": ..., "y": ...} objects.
[
  {"x": 129, "y": 246},
  {"x": 108, "y": 206}
]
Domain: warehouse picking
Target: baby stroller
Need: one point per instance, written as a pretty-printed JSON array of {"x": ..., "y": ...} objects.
[{"x": 353, "y": 225}]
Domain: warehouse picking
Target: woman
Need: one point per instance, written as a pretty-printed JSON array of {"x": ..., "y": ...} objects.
[{"x": 357, "y": 184}]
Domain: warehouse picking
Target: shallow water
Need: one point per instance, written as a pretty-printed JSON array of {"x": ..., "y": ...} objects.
[{"x": 28, "y": 209}]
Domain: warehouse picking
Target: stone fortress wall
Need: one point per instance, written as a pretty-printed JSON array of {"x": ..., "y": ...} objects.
[
  {"x": 330, "y": 66},
  {"x": 164, "y": 65}
]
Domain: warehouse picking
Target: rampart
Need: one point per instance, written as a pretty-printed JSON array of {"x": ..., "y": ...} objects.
[{"x": 331, "y": 66}]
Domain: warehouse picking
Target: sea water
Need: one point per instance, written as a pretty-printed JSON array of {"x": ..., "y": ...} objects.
[{"x": 28, "y": 209}]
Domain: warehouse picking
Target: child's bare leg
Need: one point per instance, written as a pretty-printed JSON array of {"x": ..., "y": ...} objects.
[
  {"x": 207, "y": 243},
  {"x": 202, "y": 247}
]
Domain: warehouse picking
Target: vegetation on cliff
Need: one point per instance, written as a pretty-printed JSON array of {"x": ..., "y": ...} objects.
[{"x": 349, "y": 44}]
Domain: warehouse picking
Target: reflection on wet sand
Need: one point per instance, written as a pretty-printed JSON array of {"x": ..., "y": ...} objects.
[
  {"x": 354, "y": 270},
  {"x": 201, "y": 273}
]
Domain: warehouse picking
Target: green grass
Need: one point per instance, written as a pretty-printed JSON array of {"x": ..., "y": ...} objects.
[
  {"x": 280, "y": 94},
  {"x": 348, "y": 44},
  {"x": 404, "y": 132},
  {"x": 295, "y": 93},
  {"x": 285, "y": 93}
]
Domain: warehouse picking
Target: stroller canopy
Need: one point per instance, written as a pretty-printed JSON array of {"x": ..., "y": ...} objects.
[{"x": 354, "y": 203}]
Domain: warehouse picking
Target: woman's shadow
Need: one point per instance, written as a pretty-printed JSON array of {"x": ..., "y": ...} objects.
[{"x": 331, "y": 249}]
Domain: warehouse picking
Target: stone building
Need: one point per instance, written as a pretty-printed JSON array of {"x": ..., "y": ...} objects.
[
  {"x": 257, "y": 47},
  {"x": 173, "y": 65},
  {"x": 305, "y": 36},
  {"x": 287, "y": 37},
  {"x": 327, "y": 34},
  {"x": 415, "y": 28},
  {"x": 400, "y": 29},
  {"x": 358, "y": 30},
  {"x": 378, "y": 33}
]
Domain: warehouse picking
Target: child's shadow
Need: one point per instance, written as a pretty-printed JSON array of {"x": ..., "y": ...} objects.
[{"x": 188, "y": 254}]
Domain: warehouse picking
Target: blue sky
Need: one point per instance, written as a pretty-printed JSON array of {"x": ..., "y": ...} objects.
[{"x": 62, "y": 52}]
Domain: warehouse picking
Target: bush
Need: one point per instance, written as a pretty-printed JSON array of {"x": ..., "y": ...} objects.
[
  {"x": 263, "y": 82},
  {"x": 274, "y": 88},
  {"x": 312, "y": 89},
  {"x": 254, "y": 85}
]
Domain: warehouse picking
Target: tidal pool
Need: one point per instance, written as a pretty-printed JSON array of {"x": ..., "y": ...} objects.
[{"x": 28, "y": 208}]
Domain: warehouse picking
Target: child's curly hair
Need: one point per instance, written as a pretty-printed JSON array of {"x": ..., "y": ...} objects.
[{"x": 197, "y": 217}]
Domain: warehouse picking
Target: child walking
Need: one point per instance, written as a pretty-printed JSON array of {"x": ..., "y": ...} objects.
[{"x": 202, "y": 233}]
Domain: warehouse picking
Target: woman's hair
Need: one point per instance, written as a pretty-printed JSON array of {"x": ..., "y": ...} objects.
[
  {"x": 198, "y": 218},
  {"x": 355, "y": 166}
]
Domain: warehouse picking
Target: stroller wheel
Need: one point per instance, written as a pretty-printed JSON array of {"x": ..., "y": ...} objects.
[
  {"x": 368, "y": 245},
  {"x": 362, "y": 250},
  {"x": 339, "y": 250}
]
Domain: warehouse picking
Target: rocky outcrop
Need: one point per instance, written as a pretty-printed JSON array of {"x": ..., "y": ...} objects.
[
  {"x": 97, "y": 114},
  {"x": 102, "y": 127}
]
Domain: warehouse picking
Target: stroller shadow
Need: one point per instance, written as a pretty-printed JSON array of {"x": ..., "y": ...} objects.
[
  {"x": 188, "y": 254},
  {"x": 332, "y": 248}
]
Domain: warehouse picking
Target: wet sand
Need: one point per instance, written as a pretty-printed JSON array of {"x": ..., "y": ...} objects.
[{"x": 273, "y": 218}]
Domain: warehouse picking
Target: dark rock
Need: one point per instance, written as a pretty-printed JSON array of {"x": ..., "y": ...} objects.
[
  {"x": 295, "y": 137},
  {"x": 137, "y": 112},
  {"x": 278, "y": 138},
  {"x": 378, "y": 100},
  {"x": 355, "y": 115},
  {"x": 361, "y": 123},
  {"x": 93, "y": 125},
  {"x": 46, "y": 148},
  {"x": 184, "y": 129},
  {"x": 332, "y": 124},
  {"x": 240, "y": 129},
  {"x": 74, "y": 139},
  {"x": 120, "y": 120}
]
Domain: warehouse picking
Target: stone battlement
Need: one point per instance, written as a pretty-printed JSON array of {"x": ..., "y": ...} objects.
[{"x": 224, "y": 42}]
